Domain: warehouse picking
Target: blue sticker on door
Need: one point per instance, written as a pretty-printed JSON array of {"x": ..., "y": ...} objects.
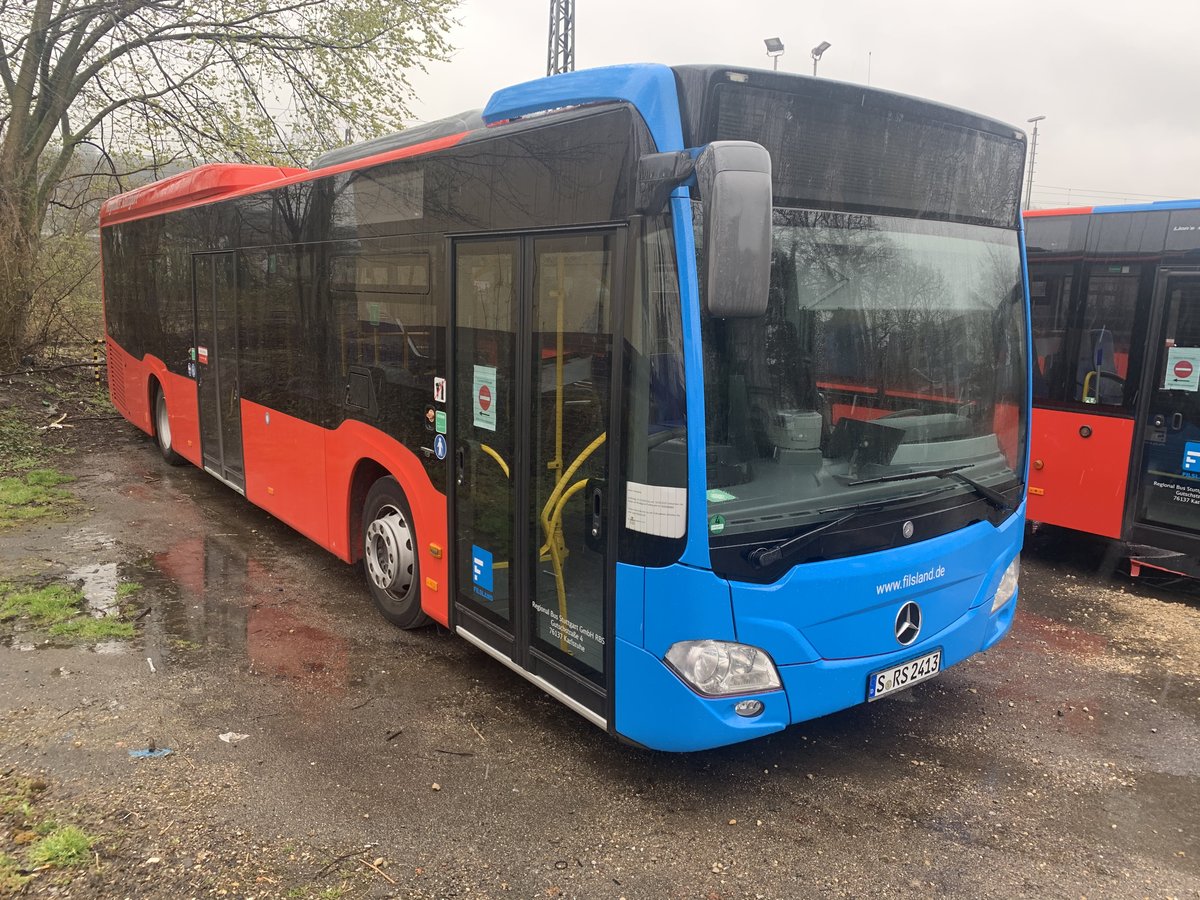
[
  {"x": 481, "y": 572},
  {"x": 1191, "y": 459}
]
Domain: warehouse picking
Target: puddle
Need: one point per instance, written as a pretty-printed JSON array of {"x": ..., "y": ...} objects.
[
  {"x": 99, "y": 586},
  {"x": 91, "y": 539},
  {"x": 213, "y": 596}
]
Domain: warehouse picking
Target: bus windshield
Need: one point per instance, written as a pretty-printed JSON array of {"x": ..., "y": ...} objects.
[{"x": 889, "y": 346}]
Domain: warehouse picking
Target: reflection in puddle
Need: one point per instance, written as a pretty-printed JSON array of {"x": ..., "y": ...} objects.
[
  {"x": 215, "y": 597},
  {"x": 88, "y": 538},
  {"x": 99, "y": 586}
]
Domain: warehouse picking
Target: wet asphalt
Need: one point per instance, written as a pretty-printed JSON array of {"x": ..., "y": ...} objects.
[{"x": 1063, "y": 763}]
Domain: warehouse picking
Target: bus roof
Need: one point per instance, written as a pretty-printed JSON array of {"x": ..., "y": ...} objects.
[
  {"x": 1156, "y": 206},
  {"x": 208, "y": 182}
]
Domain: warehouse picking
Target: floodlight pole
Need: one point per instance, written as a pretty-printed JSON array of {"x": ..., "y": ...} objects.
[
  {"x": 817, "y": 52},
  {"x": 774, "y": 50},
  {"x": 1032, "y": 158}
]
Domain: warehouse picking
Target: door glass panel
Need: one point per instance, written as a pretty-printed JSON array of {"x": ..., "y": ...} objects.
[
  {"x": 571, "y": 371},
  {"x": 1170, "y": 489},
  {"x": 486, "y": 428},
  {"x": 1101, "y": 366},
  {"x": 1050, "y": 300},
  {"x": 207, "y": 375},
  {"x": 226, "y": 361}
]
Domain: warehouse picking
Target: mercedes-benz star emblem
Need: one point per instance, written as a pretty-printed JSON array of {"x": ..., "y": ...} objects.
[
  {"x": 908, "y": 623},
  {"x": 907, "y": 529}
]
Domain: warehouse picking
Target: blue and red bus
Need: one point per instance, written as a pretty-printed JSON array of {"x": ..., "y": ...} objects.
[
  {"x": 697, "y": 396},
  {"x": 1115, "y": 293}
]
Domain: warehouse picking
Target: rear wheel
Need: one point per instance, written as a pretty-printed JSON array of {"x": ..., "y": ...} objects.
[
  {"x": 390, "y": 555},
  {"x": 162, "y": 430}
]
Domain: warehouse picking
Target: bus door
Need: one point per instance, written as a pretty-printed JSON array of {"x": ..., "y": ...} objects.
[
  {"x": 1169, "y": 476},
  {"x": 531, "y": 443},
  {"x": 217, "y": 386}
]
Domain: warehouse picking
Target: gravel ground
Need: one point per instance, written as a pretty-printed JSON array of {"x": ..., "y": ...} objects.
[{"x": 376, "y": 763}]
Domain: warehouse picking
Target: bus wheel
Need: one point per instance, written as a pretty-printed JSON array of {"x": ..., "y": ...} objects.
[
  {"x": 162, "y": 430},
  {"x": 390, "y": 555}
]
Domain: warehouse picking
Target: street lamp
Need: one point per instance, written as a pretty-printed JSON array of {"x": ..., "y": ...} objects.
[
  {"x": 1032, "y": 157},
  {"x": 774, "y": 50},
  {"x": 817, "y": 52}
]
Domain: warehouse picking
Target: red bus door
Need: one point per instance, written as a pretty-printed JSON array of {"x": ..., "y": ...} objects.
[
  {"x": 533, "y": 362},
  {"x": 1169, "y": 474},
  {"x": 218, "y": 390}
]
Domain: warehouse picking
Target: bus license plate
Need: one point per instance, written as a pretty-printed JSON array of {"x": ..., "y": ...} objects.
[{"x": 904, "y": 675}]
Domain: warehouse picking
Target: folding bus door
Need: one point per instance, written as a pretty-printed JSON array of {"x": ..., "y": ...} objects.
[
  {"x": 218, "y": 388},
  {"x": 534, "y": 358},
  {"x": 1168, "y": 478}
]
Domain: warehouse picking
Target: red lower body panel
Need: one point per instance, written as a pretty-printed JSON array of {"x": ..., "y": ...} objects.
[
  {"x": 285, "y": 468},
  {"x": 302, "y": 474},
  {"x": 1079, "y": 468},
  {"x": 129, "y": 390},
  {"x": 299, "y": 472},
  {"x": 346, "y": 447}
]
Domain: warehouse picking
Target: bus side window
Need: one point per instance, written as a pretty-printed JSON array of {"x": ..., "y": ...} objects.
[
  {"x": 387, "y": 319},
  {"x": 1049, "y": 299},
  {"x": 655, "y": 390},
  {"x": 1101, "y": 365}
]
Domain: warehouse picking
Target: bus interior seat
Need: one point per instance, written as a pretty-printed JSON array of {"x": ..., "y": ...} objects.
[{"x": 1097, "y": 354}]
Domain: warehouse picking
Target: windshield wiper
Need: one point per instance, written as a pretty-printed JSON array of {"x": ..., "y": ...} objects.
[
  {"x": 761, "y": 557},
  {"x": 994, "y": 498}
]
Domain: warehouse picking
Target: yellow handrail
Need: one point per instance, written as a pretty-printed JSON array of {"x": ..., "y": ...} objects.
[
  {"x": 552, "y": 522},
  {"x": 1087, "y": 380},
  {"x": 497, "y": 457}
]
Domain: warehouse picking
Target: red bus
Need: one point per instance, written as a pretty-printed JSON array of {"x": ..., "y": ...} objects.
[
  {"x": 1115, "y": 314},
  {"x": 696, "y": 396}
]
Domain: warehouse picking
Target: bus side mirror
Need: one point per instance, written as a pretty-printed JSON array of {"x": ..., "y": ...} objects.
[{"x": 734, "y": 180}]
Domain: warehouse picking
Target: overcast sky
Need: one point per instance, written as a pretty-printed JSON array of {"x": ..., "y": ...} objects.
[{"x": 1118, "y": 81}]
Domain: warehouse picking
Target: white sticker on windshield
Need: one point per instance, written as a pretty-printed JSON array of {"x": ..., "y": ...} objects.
[
  {"x": 1183, "y": 369},
  {"x": 484, "y": 390},
  {"x": 652, "y": 509}
]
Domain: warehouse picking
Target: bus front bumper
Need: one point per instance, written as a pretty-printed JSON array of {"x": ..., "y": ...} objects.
[{"x": 657, "y": 710}]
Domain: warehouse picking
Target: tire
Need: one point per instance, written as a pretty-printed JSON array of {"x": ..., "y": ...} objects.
[
  {"x": 162, "y": 430},
  {"x": 389, "y": 548}
]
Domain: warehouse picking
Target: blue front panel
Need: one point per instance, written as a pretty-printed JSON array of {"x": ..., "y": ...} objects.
[
  {"x": 828, "y": 626},
  {"x": 846, "y": 608},
  {"x": 654, "y": 708},
  {"x": 824, "y": 687}
]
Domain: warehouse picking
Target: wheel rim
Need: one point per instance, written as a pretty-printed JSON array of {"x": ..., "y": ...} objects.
[
  {"x": 162, "y": 423},
  {"x": 389, "y": 553}
]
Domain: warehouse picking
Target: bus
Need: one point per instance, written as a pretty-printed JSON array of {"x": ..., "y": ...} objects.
[
  {"x": 697, "y": 396},
  {"x": 1115, "y": 294}
]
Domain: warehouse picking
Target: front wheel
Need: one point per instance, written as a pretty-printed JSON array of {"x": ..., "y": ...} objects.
[
  {"x": 390, "y": 555},
  {"x": 162, "y": 430}
]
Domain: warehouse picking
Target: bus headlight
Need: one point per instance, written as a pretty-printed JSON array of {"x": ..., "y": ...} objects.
[
  {"x": 717, "y": 668},
  {"x": 1008, "y": 584}
]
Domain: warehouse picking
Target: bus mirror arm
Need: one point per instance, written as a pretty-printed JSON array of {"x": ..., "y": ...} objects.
[
  {"x": 734, "y": 181},
  {"x": 658, "y": 175}
]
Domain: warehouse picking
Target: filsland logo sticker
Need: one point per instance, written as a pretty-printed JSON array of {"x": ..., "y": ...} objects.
[{"x": 911, "y": 580}]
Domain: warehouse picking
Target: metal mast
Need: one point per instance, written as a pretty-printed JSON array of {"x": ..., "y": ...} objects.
[{"x": 560, "y": 57}]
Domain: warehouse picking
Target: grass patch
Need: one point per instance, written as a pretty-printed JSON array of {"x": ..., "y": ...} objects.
[
  {"x": 21, "y": 448},
  {"x": 92, "y": 629},
  {"x": 51, "y": 605},
  {"x": 66, "y": 846},
  {"x": 11, "y": 879},
  {"x": 33, "y": 495},
  {"x": 17, "y": 796},
  {"x": 59, "y": 610},
  {"x": 127, "y": 589}
]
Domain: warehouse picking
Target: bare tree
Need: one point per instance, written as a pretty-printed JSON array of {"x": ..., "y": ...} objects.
[{"x": 169, "y": 79}]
